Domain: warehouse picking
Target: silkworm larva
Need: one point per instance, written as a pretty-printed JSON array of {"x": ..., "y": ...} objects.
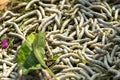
[
  {"x": 55, "y": 11},
  {"x": 3, "y": 31},
  {"x": 96, "y": 45},
  {"x": 87, "y": 68},
  {"x": 4, "y": 69},
  {"x": 109, "y": 58},
  {"x": 27, "y": 15},
  {"x": 29, "y": 27},
  {"x": 56, "y": 67},
  {"x": 88, "y": 33},
  {"x": 44, "y": 27},
  {"x": 83, "y": 72},
  {"x": 62, "y": 4},
  {"x": 7, "y": 62},
  {"x": 30, "y": 3},
  {"x": 52, "y": 32},
  {"x": 9, "y": 13},
  {"x": 15, "y": 25},
  {"x": 42, "y": 11},
  {"x": 29, "y": 21},
  {"x": 87, "y": 13},
  {"x": 116, "y": 6},
  {"x": 93, "y": 41},
  {"x": 72, "y": 34},
  {"x": 106, "y": 62},
  {"x": 116, "y": 14},
  {"x": 45, "y": 21},
  {"x": 11, "y": 69},
  {"x": 57, "y": 50},
  {"x": 63, "y": 37},
  {"x": 57, "y": 21},
  {"x": 74, "y": 60},
  {"x": 65, "y": 56},
  {"x": 16, "y": 35},
  {"x": 101, "y": 7},
  {"x": 82, "y": 40},
  {"x": 65, "y": 47},
  {"x": 107, "y": 6},
  {"x": 95, "y": 76},
  {"x": 66, "y": 22},
  {"x": 68, "y": 62},
  {"x": 46, "y": 5},
  {"x": 49, "y": 50},
  {"x": 69, "y": 75},
  {"x": 20, "y": 5},
  {"x": 81, "y": 19},
  {"x": 113, "y": 52}
]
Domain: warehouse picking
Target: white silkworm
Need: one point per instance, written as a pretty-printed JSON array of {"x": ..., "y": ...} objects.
[
  {"x": 15, "y": 25},
  {"x": 45, "y": 21},
  {"x": 3, "y": 31},
  {"x": 88, "y": 33},
  {"x": 49, "y": 50},
  {"x": 113, "y": 52},
  {"x": 30, "y": 3},
  {"x": 42, "y": 11},
  {"x": 81, "y": 19},
  {"x": 116, "y": 14},
  {"x": 7, "y": 62}
]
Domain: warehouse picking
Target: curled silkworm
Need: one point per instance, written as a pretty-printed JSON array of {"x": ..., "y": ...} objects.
[
  {"x": 55, "y": 11},
  {"x": 45, "y": 21},
  {"x": 88, "y": 33},
  {"x": 116, "y": 7},
  {"x": 93, "y": 41},
  {"x": 30, "y": 3},
  {"x": 65, "y": 47},
  {"x": 74, "y": 60},
  {"x": 88, "y": 69},
  {"x": 7, "y": 62},
  {"x": 63, "y": 37},
  {"x": 8, "y": 13},
  {"x": 65, "y": 56},
  {"x": 3, "y": 31},
  {"x": 15, "y": 25},
  {"x": 113, "y": 52},
  {"x": 67, "y": 61},
  {"x": 16, "y": 35},
  {"x": 29, "y": 14},
  {"x": 64, "y": 25},
  {"x": 101, "y": 7}
]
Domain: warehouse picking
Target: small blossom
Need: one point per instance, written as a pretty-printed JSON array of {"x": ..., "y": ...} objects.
[{"x": 5, "y": 43}]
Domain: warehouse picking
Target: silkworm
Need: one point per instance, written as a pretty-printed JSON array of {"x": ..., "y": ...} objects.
[
  {"x": 113, "y": 52},
  {"x": 30, "y": 3},
  {"x": 29, "y": 14},
  {"x": 56, "y": 67},
  {"x": 116, "y": 14},
  {"x": 42, "y": 11},
  {"x": 46, "y": 5},
  {"x": 65, "y": 56},
  {"x": 65, "y": 47},
  {"x": 116, "y": 6},
  {"x": 64, "y": 25},
  {"x": 82, "y": 40},
  {"x": 101, "y": 7},
  {"x": 93, "y": 41},
  {"x": 15, "y": 25},
  {"x": 81, "y": 19},
  {"x": 44, "y": 27},
  {"x": 4, "y": 69},
  {"x": 7, "y": 62},
  {"x": 29, "y": 27},
  {"x": 87, "y": 13},
  {"x": 49, "y": 50},
  {"x": 10, "y": 70},
  {"x": 95, "y": 76},
  {"x": 88, "y": 33},
  {"x": 45, "y": 21},
  {"x": 3, "y": 31},
  {"x": 74, "y": 60},
  {"x": 63, "y": 37},
  {"x": 17, "y": 35},
  {"x": 9, "y": 13}
]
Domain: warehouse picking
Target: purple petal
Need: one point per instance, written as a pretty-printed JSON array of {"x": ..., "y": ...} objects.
[{"x": 5, "y": 43}]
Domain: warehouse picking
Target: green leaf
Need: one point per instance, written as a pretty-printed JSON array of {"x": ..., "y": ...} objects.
[{"x": 26, "y": 59}]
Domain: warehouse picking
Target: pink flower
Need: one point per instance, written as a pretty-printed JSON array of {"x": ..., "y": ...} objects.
[{"x": 5, "y": 43}]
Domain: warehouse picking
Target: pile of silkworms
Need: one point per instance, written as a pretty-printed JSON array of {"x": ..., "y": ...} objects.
[{"x": 84, "y": 35}]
